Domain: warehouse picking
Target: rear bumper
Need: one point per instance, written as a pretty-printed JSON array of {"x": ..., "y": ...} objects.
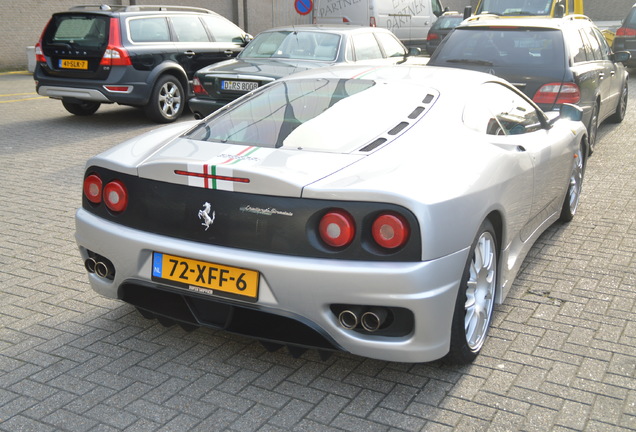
[
  {"x": 299, "y": 289},
  {"x": 203, "y": 107}
]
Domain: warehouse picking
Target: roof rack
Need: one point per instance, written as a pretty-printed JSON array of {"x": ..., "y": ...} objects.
[
  {"x": 141, "y": 8},
  {"x": 573, "y": 17}
]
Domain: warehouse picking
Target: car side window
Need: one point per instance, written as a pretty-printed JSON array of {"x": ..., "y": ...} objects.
[
  {"x": 189, "y": 29},
  {"x": 494, "y": 109},
  {"x": 605, "y": 48},
  {"x": 392, "y": 47},
  {"x": 577, "y": 47},
  {"x": 149, "y": 30},
  {"x": 222, "y": 30},
  {"x": 366, "y": 47},
  {"x": 595, "y": 47}
]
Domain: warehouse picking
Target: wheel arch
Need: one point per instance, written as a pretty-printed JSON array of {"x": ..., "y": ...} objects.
[
  {"x": 169, "y": 68},
  {"x": 495, "y": 217}
]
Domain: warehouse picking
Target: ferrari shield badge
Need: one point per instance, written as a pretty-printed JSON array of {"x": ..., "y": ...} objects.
[{"x": 204, "y": 214}]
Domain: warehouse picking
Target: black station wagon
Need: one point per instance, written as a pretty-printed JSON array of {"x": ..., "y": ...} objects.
[{"x": 131, "y": 55}]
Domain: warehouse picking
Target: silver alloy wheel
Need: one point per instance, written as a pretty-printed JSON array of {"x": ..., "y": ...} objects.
[
  {"x": 576, "y": 181},
  {"x": 480, "y": 291},
  {"x": 169, "y": 99}
]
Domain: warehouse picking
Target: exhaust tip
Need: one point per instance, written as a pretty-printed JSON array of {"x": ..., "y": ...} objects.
[
  {"x": 197, "y": 116},
  {"x": 102, "y": 269},
  {"x": 90, "y": 265},
  {"x": 372, "y": 320},
  {"x": 348, "y": 319}
]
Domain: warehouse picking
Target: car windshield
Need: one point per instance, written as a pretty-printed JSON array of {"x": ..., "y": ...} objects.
[
  {"x": 516, "y": 7},
  {"x": 324, "y": 115},
  {"x": 301, "y": 45},
  {"x": 503, "y": 48}
]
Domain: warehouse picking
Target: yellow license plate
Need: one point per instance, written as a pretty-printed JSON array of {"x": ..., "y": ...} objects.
[
  {"x": 206, "y": 277},
  {"x": 73, "y": 64}
]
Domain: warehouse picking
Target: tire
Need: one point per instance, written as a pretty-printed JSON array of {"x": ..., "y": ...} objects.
[
  {"x": 573, "y": 194},
  {"x": 82, "y": 108},
  {"x": 475, "y": 302},
  {"x": 592, "y": 127},
  {"x": 621, "y": 107},
  {"x": 166, "y": 101}
]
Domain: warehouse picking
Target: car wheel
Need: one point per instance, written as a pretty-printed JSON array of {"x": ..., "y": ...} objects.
[
  {"x": 476, "y": 298},
  {"x": 621, "y": 107},
  {"x": 82, "y": 108},
  {"x": 573, "y": 195},
  {"x": 592, "y": 127},
  {"x": 166, "y": 101}
]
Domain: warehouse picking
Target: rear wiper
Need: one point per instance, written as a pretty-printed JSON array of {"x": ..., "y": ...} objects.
[{"x": 471, "y": 61}]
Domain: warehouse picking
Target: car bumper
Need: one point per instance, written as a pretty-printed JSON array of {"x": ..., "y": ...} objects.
[
  {"x": 204, "y": 107},
  {"x": 300, "y": 288}
]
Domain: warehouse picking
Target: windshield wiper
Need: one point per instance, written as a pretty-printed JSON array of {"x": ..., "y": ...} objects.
[{"x": 471, "y": 61}]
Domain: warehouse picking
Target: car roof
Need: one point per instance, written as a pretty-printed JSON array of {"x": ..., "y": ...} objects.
[
  {"x": 331, "y": 28},
  {"x": 488, "y": 20},
  {"x": 451, "y": 80}
]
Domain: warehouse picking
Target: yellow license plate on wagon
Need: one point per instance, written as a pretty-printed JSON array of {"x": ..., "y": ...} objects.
[
  {"x": 206, "y": 277},
  {"x": 74, "y": 64}
]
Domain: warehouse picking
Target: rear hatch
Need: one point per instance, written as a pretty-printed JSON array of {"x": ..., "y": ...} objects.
[
  {"x": 526, "y": 57},
  {"x": 74, "y": 45}
]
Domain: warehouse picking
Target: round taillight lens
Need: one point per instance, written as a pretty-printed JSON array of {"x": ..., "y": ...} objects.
[
  {"x": 93, "y": 188},
  {"x": 116, "y": 196},
  {"x": 390, "y": 230},
  {"x": 337, "y": 228}
]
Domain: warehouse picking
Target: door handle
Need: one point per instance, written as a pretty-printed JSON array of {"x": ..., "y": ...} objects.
[
  {"x": 189, "y": 53},
  {"x": 228, "y": 53},
  {"x": 601, "y": 75}
]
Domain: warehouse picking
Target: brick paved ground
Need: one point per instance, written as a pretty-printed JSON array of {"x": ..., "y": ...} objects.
[{"x": 561, "y": 356}]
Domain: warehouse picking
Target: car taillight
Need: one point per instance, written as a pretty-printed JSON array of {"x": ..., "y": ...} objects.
[
  {"x": 390, "y": 230},
  {"x": 371, "y": 21},
  {"x": 116, "y": 196},
  {"x": 115, "y": 54},
  {"x": 93, "y": 188},
  {"x": 626, "y": 31},
  {"x": 197, "y": 88},
  {"x": 558, "y": 93},
  {"x": 39, "y": 54},
  {"x": 337, "y": 228},
  {"x": 432, "y": 36}
]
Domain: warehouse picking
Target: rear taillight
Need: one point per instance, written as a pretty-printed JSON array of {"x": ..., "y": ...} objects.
[
  {"x": 113, "y": 194},
  {"x": 39, "y": 54},
  {"x": 116, "y": 196},
  {"x": 558, "y": 93},
  {"x": 626, "y": 31},
  {"x": 432, "y": 36},
  {"x": 115, "y": 54},
  {"x": 337, "y": 228},
  {"x": 93, "y": 188},
  {"x": 390, "y": 230},
  {"x": 371, "y": 21},
  {"x": 197, "y": 88}
]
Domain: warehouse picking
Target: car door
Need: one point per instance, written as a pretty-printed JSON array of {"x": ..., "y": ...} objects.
[
  {"x": 515, "y": 124},
  {"x": 611, "y": 83},
  {"x": 195, "y": 47}
]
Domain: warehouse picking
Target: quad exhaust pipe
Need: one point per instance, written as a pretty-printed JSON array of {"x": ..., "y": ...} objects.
[
  {"x": 370, "y": 319},
  {"x": 100, "y": 266}
]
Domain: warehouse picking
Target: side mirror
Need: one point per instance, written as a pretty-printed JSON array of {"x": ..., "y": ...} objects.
[
  {"x": 248, "y": 38},
  {"x": 571, "y": 112},
  {"x": 559, "y": 10},
  {"x": 468, "y": 11},
  {"x": 621, "y": 56}
]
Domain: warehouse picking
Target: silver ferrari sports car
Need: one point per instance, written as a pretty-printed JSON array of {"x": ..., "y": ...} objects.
[{"x": 382, "y": 211}]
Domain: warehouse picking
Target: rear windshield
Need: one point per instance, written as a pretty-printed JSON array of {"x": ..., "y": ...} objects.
[
  {"x": 78, "y": 31},
  {"x": 305, "y": 45},
  {"x": 503, "y": 48},
  {"x": 447, "y": 22},
  {"x": 322, "y": 115},
  {"x": 516, "y": 7}
]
